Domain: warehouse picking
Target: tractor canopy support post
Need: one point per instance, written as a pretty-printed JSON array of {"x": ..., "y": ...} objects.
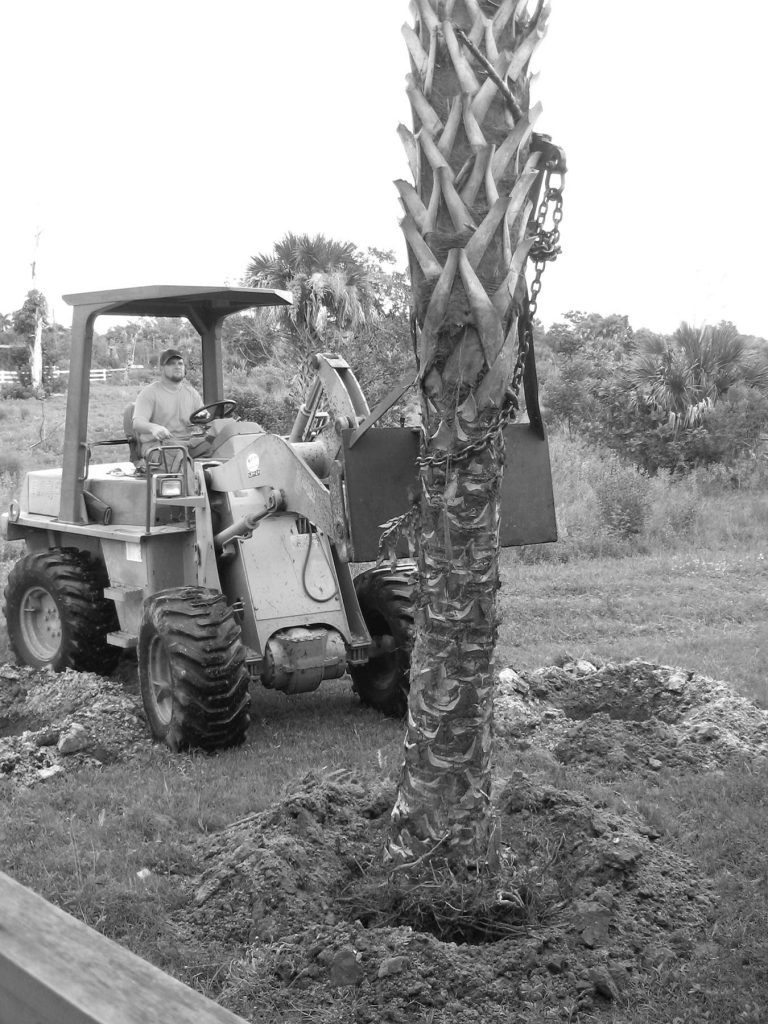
[
  {"x": 209, "y": 329},
  {"x": 71, "y": 505}
]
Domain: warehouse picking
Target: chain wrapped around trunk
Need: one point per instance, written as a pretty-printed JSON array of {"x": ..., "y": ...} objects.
[{"x": 545, "y": 249}]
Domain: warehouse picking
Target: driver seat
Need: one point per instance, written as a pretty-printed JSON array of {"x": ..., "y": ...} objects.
[{"x": 134, "y": 451}]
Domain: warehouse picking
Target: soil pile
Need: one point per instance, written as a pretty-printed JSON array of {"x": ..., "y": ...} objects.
[
  {"x": 590, "y": 903},
  {"x": 51, "y": 722},
  {"x": 633, "y": 717}
]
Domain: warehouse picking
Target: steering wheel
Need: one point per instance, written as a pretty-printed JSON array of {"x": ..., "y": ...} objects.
[{"x": 216, "y": 411}]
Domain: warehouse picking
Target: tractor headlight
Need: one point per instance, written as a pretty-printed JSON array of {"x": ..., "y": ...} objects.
[
  {"x": 14, "y": 511},
  {"x": 170, "y": 487}
]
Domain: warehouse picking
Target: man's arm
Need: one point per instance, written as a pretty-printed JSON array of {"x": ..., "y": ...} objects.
[{"x": 196, "y": 397}]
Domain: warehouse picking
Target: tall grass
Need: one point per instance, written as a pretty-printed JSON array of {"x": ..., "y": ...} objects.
[{"x": 606, "y": 509}]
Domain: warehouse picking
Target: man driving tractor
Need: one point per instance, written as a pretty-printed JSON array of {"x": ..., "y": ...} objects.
[{"x": 163, "y": 408}]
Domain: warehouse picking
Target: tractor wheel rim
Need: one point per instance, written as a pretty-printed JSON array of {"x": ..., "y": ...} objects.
[
  {"x": 160, "y": 680},
  {"x": 40, "y": 624}
]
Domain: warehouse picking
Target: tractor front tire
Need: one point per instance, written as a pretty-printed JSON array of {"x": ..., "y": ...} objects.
[
  {"x": 386, "y": 599},
  {"x": 57, "y": 614},
  {"x": 194, "y": 683}
]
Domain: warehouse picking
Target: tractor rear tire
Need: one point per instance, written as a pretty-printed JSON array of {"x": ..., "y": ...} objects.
[
  {"x": 387, "y": 599},
  {"x": 57, "y": 614},
  {"x": 192, "y": 673}
]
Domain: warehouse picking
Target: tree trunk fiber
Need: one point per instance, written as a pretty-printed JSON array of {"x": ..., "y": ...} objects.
[{"x": 467, "y": 224}]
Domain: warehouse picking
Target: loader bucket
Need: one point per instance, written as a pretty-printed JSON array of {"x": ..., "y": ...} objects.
[{"x": 381, "y": 480}]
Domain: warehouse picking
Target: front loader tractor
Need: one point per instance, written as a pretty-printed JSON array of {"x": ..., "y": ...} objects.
[{"x": 234, "y": 567}]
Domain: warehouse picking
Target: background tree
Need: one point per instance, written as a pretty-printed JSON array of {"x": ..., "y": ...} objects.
[
  {"x": 379, "y": 349},
  {"x": 588, "y": 350},
  {"x": 34, "y": 308},
  {"x": 685, "y": 376},
  {"x": 467, "y": 227},
  {"x": 28, "y": 323},
  {"x": 352, "y": 303},
  {"x": 328, "y": 279},
  {"x": 662, "y": 402}
]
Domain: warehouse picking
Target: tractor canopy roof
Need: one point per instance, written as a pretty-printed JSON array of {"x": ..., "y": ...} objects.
[{"x": 178, "y": 300}]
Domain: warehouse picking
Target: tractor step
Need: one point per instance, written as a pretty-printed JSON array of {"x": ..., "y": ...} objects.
[{"x": 120, "y": 638}]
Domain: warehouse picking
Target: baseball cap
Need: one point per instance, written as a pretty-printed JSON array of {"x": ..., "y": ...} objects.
[{"x": 170, "y": 353}]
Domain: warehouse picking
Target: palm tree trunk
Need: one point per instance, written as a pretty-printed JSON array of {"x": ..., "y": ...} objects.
[{"x": 467, "y": 227}]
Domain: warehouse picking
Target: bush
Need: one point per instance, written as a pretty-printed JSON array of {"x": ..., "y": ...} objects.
[
  {"x": 624, "y": 501},
  {"x": 16, "y": 391},
  {"x": 683, "y": 516},
  {"x": 10, "y": 464},
  {"x": 52, "y": 384},
  {"x": 274, "y": 412},
  {"x": 748, "y": 472}
]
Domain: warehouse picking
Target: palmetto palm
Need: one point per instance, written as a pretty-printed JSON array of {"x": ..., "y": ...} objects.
[
  {"x": 328, "y": 279},
  {"x": 467, "y": 219},
  {"x": 685, "y": 375}
]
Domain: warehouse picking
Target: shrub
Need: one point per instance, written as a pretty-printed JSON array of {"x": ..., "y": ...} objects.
[
  {"x": 10, "y": 464},
  {"x": 683, "y": 516},
  {"x": 17, "y": 390},
  {"x": 275, "y": 413},
  {"x": 54, "y": 385},
  {"x": 624, "y": 501},
  {"x": 745, "y": 473}
]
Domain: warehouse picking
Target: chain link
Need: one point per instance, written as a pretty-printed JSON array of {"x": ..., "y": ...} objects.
[{"x": 545, "y": 249}]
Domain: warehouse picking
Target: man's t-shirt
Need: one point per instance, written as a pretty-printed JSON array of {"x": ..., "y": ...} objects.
[{"x": 171, "y": 407}]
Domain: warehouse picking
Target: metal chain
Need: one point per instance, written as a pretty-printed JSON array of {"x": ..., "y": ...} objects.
[{"x": 545, "y": 249}]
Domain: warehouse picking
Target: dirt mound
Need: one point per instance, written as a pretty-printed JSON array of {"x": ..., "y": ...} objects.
[
  {"x": 590, "y": 903},
  {"x": 617, "y": 718},
  {"x": 634, "y": 717},
  {"x": 53, "y": 721},
  {"x": 587, "y": 902}
]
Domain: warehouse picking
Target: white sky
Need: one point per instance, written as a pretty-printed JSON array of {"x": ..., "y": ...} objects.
[{"x": 167, "y": 141}]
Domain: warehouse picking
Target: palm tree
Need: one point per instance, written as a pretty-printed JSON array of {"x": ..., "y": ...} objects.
[
  {"x": 685, "y": 375},
  {"x": 328, "y": 279},
  {"x": 468, "y": 229}
]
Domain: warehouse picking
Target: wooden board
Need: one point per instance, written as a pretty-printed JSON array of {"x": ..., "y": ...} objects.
[{"x": 56, "y": 970}]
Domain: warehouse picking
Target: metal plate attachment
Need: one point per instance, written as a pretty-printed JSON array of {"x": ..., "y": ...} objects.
[{"x": 381, "y": 479}]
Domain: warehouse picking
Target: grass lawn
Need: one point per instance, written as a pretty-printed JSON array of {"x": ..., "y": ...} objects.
[{"x": 703, "y": 612}]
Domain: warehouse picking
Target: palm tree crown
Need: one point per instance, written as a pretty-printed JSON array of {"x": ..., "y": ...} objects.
[{"x": 328, "y": 279}]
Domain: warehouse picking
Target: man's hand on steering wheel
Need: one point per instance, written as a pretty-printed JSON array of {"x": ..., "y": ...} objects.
[{"x": 213, "y": 411}]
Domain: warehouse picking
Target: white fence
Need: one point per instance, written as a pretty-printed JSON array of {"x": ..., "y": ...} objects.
[{"x": 11, "y": 376}]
